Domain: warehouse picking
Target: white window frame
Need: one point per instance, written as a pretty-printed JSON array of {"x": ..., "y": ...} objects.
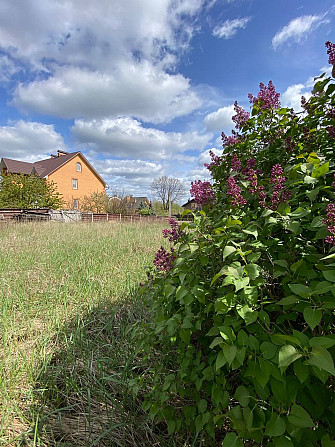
[
  {"x": 74, "y": 183},
  {"x": 78, "y": 166}
]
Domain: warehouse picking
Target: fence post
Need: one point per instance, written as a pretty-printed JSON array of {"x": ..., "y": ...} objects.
[
  {"x": 120, "y": 217},
  {"x": 131, "y": 218},
  {"x": 92, "y": 217},
  {"x": 107, "y": 217}
]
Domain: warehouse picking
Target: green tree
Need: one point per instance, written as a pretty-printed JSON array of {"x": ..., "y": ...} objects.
[{"x": 28, "y": 191}]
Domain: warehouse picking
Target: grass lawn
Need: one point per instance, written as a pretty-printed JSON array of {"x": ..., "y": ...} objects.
[{"x": 68, "y": 294}]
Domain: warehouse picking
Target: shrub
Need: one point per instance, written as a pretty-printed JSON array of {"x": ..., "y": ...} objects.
[{"x": 241, "y": 343}]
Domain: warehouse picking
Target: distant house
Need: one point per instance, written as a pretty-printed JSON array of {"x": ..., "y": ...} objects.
[
  {"x": 192, "y": 205},
  {"x": 74, "y": 176},
  {"x": 136, "y": 203}
]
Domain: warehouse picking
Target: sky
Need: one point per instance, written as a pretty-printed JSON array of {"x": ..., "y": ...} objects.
[{"x": 144, "y": 88}]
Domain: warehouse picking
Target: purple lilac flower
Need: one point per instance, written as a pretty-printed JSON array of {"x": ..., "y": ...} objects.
[
  {"x": 261, "y": 196},
  {"x": 202, "y": 192},
  {"x": 289, "y": 144},
  {"x": 216, "y": 161},
  {"x": 235, "y": 192},
  {"x": 331, "y": 52},
  {"x": 164, "y": 260},
  {"x": 241, "y": 116},
  {"x": 278, "y": 180},
  {"x": 267, "y": 97},
  {"x": 331, "y": 131},
  {"x": 235, "y": 163},
  {"x": 330, "y": 221},
  {"x": 228, "y": 141},
  {"x": 175, "y": 233}
]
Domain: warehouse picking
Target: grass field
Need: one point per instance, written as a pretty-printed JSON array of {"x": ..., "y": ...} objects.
[{"x": 68, "y": 293}]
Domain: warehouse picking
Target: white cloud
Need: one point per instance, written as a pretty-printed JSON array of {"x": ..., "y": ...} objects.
[
  {"x": 127, "y": 138},
  {"x": 292, "y": 96},
  {"x": 297, "y": 29},
  {"x": 29, "y": 141},
  {"x": 229, "y": 28},
  {"x": 137, "y": 89},
  {"x": 220, "y": 119},
  {"x": 129, "y": 168}
]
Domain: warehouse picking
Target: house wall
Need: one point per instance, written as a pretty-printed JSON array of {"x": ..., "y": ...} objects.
[{"x": 88, "y": 182}]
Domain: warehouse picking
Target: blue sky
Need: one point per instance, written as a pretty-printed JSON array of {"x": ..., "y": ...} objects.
[{"x": 144, "y": 87}]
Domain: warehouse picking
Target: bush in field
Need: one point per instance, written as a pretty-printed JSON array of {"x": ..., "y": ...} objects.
[
  {"x": 241, "y": 342},
  {"x": 28, "y": 191}
]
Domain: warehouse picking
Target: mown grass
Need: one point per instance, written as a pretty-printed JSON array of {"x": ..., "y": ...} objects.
[{"x": 68, "y": 295}]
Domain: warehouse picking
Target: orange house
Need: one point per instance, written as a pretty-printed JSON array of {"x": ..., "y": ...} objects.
[{"x": 74, "y": 176}]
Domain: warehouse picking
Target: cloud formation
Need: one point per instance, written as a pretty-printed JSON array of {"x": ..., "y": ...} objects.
[
  {"x": 127, "y": 138},
  {"x": 296, "y": 29},
  {"x": 29, "y": 141},
  {"x": 220, "y": 119},
  {"x": 229, "y": 28}
]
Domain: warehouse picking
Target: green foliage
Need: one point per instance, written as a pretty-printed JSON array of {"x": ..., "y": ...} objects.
[
  {"x": 145, "y": 211},
  {"x": 241, "y": 345},
  {"x": 28, "y": 191}
]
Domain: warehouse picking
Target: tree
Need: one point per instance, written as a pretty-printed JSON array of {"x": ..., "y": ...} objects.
[
  {"x": 96, "y": 202},
  {"x": 28, "y": 191},
  {"x": 168, "y": 189}
]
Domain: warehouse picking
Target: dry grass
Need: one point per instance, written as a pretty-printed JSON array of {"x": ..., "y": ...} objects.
[{"x": 68, "y": 293}]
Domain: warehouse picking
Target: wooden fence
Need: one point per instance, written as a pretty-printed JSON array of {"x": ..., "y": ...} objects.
[{"x": 99, "y": 217}]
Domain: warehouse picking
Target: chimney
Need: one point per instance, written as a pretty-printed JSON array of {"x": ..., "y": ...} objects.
[
  {"x": 53, "y": 156},
  {"x": 59, "y": 152}
]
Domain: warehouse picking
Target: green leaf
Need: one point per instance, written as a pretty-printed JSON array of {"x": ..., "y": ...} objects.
[
  {"x": 231, "y": 440},
  {"x": 322, "y": 359},
  {"x": 321, "y": 170},
  {"x": 249, "y": 315},
  {"x": 276, "y": 426},
  {"x": 252, "y": 230},
  {"x": 325, "y": 440},
  {"x": 269, "y": 350},
  {"x": 293, "y": 226},
  {"x": 252, "y": 270},
  {"x": 242, "y": 395},
  {"x": 283, "y": 441},
  {"x": 301, "y": 370},
  {"x": 317, "y": 222},
  {"x": 228, "y": 250},
  {"x": 312, "y": 316},
  {"x": 329, "y": 275},
  {"x": 229, "y": 353},
  {"x": 324, "y": 342},
  {"x": 185, "y": 335},
  {"x": 299, "y": 417},
  {"x": 240, "y": 283},
  {"x": 287, "y": 355},
  {"x": 284, "y": 209},
  {"x": 202, "y": 405},
  {"x": 220, "y": 360},
  {"x": 301, "y": 290}
]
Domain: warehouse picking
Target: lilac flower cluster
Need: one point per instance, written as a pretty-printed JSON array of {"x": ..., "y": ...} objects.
[
  {"x": 228, "y": 141},
  {"x": 289, "y": 144},
  {"x": 278, "y": 180},
  {"x": 235, "y": 163},
  {"x": 241, "y": 116},
  {"x": 330, "y": 221},
  {"x": 164, "y": 260},
  {"x": 202, "y": 192},
  {"x": 267, "y": 97},
  {"x": 331, "y": 131},
  {"x": 216, "y": 161},
  {"x": 234, "y": 191},
  {"x": 331, "y": 52},
  {"x": 175, "y": 233}
]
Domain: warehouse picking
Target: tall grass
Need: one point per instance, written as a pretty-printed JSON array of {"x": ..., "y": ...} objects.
[{"x": 68, "y": 293}]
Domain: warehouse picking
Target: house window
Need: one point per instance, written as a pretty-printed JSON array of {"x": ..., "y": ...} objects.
[
  {"x": 74, "y": 183},
  {"x": 75, "y": 204},
  {"x": 78, "y": 167}
]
